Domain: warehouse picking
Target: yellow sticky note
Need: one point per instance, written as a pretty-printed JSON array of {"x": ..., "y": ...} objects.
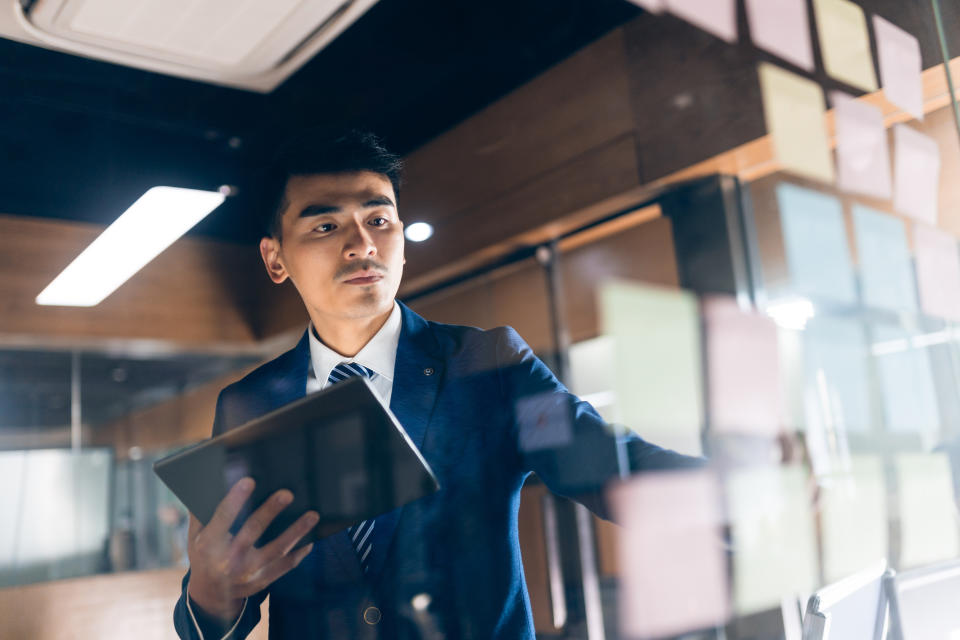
[
  {"x": 793, "y": 107},
  {"x": 657, "y": 362},
  {"x": 845, "y": 43},
  {"x": 853, "y": 518},
  {"x": 774, "y": 546},
  {"x": 928, "y": 513}
]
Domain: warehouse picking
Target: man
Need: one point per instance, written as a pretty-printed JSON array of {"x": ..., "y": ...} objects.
[{"x": 482, "y": 409}]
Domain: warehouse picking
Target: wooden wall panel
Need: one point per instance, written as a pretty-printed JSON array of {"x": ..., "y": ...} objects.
[
  {"x": 107, "y": 607},
  {"x": 534, "y": 554}
]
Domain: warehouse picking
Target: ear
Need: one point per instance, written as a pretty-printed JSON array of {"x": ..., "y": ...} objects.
[{"x": 270, "y": 252}]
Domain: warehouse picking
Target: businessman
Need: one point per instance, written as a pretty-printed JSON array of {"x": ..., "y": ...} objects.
[{"x": 481, "y": 408}]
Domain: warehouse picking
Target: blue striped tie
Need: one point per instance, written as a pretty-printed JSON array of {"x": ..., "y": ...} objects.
[{"x": 360, "y": 533}]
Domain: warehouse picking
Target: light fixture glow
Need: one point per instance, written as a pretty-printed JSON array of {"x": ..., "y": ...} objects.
[
  {"x": 791, "y": 313},
  {"x": 418, "y": 231},
  {"x": 151, "y": 224}
]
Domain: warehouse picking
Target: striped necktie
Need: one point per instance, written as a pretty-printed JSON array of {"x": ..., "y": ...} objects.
[{"x": 359, "y": 534}]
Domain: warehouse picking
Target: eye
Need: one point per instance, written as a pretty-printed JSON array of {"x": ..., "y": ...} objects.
[
  {"x": 379, "y": 221},
  {"x": 325, "y": 227}
]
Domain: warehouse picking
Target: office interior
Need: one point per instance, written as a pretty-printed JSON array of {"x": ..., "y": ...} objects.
[{"x": 730, "y": 225}]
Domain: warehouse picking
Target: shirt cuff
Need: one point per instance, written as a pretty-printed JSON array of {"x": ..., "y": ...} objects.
[{"x": 209, "y": 621}]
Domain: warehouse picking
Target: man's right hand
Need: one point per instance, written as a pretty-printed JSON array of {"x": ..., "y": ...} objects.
[{"x": 225, "y": 569}]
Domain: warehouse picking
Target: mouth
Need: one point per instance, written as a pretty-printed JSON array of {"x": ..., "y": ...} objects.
[{"x": 364, "y": 277}]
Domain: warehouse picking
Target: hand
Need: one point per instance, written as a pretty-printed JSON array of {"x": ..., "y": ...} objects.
[{"x": 225, "y": 569}]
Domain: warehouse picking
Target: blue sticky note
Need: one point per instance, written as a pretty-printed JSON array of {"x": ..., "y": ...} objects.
[
  {"x": 836, "y": 391},
  {"x": 815, "y": 241},
  {"x": 906, "y": 379},
  {"x": 886, "y": 272}
]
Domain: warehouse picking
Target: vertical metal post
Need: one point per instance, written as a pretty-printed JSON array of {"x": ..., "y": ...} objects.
[
  {"x": 75, "y": 432},
  {"x": 547, "y": 256}
]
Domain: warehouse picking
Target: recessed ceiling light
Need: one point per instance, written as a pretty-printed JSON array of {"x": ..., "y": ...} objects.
[
  {"x": 418, "y": 231},
  {"x": 151, "y": 224}
]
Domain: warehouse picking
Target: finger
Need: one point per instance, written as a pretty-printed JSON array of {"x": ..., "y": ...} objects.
[
  {"x": 229, "y": 508},
  {"x": 277, "y": 569},
  {"x": 282, "y": 545},
  {"x": 259, "y": 520}
]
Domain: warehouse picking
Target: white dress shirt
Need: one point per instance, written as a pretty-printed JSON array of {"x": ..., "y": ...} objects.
[{"x": 378, "y": 355}]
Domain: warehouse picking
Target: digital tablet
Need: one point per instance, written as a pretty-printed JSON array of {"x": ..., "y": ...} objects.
[{"x": 340, "y": 451}]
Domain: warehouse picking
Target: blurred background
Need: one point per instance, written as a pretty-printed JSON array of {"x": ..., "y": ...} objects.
[{"x": 730, "y": 225}]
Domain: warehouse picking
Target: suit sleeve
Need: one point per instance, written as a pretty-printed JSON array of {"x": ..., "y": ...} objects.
[
  {"x": 562, "y": 438},
  {"x": 190, "y": 622}
]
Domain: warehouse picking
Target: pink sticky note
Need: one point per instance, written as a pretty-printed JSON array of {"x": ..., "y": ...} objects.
[
  {"x": 900, "y": 66},
  {"x": 743, "y": 369},
  {"x": 938, "y": 272},
  {"x": 673, "y": 569},
  {"x": 863, "y": 157},
  {"x": 782, "y": 28},
  {"x": 916, "y": 174},
  {"x": 719, "y": 17},
  {"x": 653, "y": 6}
]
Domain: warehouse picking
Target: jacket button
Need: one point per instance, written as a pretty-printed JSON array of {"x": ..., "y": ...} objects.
[
  {"x": 371, "y": 615},
  {"x": 428, "y": 371}
]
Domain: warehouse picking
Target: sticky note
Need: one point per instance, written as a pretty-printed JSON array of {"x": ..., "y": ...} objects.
[
  {"x": 845, "y": 43},
  {"x": 543, "y": 423},
  {"x": 835, "y": 388},
  {"x": 673, "y": 570},
  {"x": 718, "y": 17},
  {"x": 900, "y": 66},
  {"x": 815, "y": 241},
  {"x": 906, "y": 382},
  {"x": 916, "y": 174},
  {"x": 659, "y": 389},
  {"x": 781, "y": 27},
  {"x": 938, "y": 272},
  {"x": 928, "y": 513},
  {"x": 743, "y": 369},
  {"x": 863, "y": 158},
  {"x": 773, "y": 537},
  {"x": 653, "y": 6},
  {"x": 793, "y": 109},
  {"x": 853, "y": 518},
  {"x": 591, "y": 375},
  {"x": 886, "y": 271}
]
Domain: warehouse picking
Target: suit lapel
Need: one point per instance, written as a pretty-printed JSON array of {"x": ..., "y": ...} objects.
[{"x": 416, "y": 381}]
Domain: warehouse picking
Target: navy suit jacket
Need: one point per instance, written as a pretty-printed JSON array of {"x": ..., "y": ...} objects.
[{"x": 484, "y": 412}]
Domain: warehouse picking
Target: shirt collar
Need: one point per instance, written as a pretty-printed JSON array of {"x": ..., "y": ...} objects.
[{"x": 380, "y": 354}]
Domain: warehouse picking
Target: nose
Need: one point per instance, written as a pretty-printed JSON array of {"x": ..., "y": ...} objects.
[{"x": 359, "y": 243}]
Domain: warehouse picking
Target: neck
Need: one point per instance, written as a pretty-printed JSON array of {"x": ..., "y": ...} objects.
[{"x": 347, "y": 336}]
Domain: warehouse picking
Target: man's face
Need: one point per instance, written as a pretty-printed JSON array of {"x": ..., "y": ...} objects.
[{"x": 342, "y": 244}]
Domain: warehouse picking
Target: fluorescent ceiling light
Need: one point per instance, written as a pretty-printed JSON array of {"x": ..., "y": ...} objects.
[
  {"x": 418, "y": 231},
  {"x": 151, "y": 224}
]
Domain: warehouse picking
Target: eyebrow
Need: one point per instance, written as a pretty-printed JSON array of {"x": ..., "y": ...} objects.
[{"x": 321, "y": 209}]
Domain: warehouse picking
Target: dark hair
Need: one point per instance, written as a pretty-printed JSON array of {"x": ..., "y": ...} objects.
[{"x": 310, "y": 154}]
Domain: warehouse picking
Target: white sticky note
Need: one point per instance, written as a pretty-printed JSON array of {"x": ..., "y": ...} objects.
[
  {"x": 743, "y": 369},
  {"x": 815, "y": 241},
  {"x": 906, "y": 380},
  {"x": 886, "y": 271},
  {"x": 928, "y": 513},
  {"x": 673, "y": 570},
  {"x": 782, "y": 28},
  {"x": 835, "y": 389},
  {"x": 793, "y": 109},
  {"x": 863, "y": 157},
  {"x": 591, "y": 376},
  {"x": 853, "y": 518},
  {"x": 900, "y": 66},
  {"x": 653, "y": 6},
  {"x": 938, "y": 272},
  {"x": 773, "y": 536},
  {"x": 916, "y": 174},
  {"x": 659, "y": 385},
  {"x": 718, "y": 17},
  {"x": 845, "y": 43}
]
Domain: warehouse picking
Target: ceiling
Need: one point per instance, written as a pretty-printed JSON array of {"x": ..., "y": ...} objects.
[{"x": 83, "y": 139}]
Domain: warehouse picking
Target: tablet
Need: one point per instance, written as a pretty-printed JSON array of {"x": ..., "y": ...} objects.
[{"x": 340, "y": 451}]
